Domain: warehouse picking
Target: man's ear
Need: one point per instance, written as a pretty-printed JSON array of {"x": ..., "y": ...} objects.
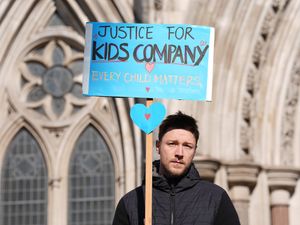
[{"x": 157, "y": 144}]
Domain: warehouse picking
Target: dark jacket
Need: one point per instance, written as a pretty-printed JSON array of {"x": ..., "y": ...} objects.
[{"x": 189, "y": 201}]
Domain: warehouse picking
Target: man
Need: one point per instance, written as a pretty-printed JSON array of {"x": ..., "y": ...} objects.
[{"x": 180, "y": 197}]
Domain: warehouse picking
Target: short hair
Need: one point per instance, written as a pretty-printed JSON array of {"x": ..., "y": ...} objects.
[{"x": 178, "y": 120}]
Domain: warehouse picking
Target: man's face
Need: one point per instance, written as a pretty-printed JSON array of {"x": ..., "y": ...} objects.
[{"x": 177, "y": 149}]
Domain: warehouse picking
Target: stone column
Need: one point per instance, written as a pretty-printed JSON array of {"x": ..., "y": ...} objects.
[
  {"x": 207, "y": 167},
  {"x": 282, "y": 183},
  {"x": 242, "y": 178}
]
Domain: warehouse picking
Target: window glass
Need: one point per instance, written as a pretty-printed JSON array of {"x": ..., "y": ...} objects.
[
  {"x": 91, "y": 181},
  {"x": 23, "y": 183}
]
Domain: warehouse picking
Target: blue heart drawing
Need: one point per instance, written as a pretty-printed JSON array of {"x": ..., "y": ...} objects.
[{"x": 147, "y": 119}]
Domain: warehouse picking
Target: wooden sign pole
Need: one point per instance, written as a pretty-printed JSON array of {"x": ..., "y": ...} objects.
[{"x": 148, "y": 185}]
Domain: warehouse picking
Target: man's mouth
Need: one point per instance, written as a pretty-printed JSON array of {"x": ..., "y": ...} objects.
[{"x": 177, "y": 161}]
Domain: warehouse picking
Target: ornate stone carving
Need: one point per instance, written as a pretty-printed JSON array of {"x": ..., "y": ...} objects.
[
  {"x": 252, "y": 83},
  {"x": 267, "y": 25},
  {"x": 158, "y": 11},
  {"x": 288, "y": 124},
  {"x": 258, "y": 52},
  {"x": 56, "y": 132},
  {"x": 51, "y": 80},
  {"x": 244, "y": 138},
  {"x": 158, "y": 5}
]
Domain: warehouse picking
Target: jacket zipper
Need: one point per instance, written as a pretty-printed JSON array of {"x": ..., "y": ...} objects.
[{"x": 172, "y": 205}]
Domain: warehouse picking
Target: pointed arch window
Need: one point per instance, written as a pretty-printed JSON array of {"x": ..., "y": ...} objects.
[
  {"x": 24, "y": 183},
  {"x": 91, "y": 181}
]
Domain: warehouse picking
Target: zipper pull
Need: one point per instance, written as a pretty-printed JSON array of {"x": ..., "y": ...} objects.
[{"x": 172, "y": 192}]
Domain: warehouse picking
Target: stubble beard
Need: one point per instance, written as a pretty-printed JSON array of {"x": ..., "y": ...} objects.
[{"x": 172, "y": 173}]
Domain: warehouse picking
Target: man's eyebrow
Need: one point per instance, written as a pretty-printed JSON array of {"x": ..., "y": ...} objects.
[{"x": 173, "y": 140}]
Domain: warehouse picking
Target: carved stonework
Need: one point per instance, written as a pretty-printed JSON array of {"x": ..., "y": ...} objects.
[
  {"x": 282, "y": 178},
  {"x": 158, "y": 11},
  {"x": 243, "y": 174},
  {"x": 11, "y": 108},
  {"x": 249, "y": 101},
  {"x": 158, "y": 5},
  {"x": 267, "y": 25},
  {"x": 50, "y": 83},
  {"x": 104, "y": 108},
  {"x": 289, "y": 116},
  {"x": 245, "y": 139},
  {"x": 56, "y": 132},
  {"x": 207, "y": 167},
  {"x": 258, "y": 52},
  {"x": 54, "y": 182},
  {"x": 242, "y": 179},
  {"x": 55, "y": 135}
]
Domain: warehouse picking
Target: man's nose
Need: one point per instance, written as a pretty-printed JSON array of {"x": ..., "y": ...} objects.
[{"x": 179, "y": 151}]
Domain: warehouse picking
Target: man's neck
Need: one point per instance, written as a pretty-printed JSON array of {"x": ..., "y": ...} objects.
[{"x": 173, "y": 181}]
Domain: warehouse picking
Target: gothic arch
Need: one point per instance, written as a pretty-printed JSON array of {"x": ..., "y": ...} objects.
[
  {"x": 232, "y": 78},
  {"x": 278, "y": 72},
  {"x": 8, "y": 134},
  {"x": 12, "y": 130},
  {"x": 235, "y": 46},
  {"x": 108, "y": 137},
  {"x": 24, "y": 181},
  {"x": 120, "y": 138}
]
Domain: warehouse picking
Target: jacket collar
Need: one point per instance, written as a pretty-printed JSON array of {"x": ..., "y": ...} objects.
[{"x": 187, "y": 181}]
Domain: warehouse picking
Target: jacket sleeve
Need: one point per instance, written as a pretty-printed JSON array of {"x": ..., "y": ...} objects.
[
  {"x": 226, "y": 214},
  {"x": 121, "y": 216}
]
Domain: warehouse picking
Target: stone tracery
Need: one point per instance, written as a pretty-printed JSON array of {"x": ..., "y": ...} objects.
[{"x": 52, "y": 82}]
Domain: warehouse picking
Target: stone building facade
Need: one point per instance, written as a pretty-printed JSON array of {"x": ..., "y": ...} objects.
[{"x": 67, "y": 159}]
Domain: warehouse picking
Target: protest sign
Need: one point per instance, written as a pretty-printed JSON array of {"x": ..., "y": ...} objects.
[{"x": 148, "y": 61}]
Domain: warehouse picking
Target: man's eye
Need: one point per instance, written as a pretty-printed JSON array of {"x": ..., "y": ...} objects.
[
  {"x": 188, "y": 146},
  {"x": 171, "y": 144}
]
